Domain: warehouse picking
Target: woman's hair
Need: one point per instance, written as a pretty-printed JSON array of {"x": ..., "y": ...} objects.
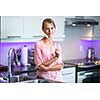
[{"x": 49, "y": 20}]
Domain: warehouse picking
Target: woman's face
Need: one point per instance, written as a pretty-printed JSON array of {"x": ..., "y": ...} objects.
[{"x": 49, "y": 29}]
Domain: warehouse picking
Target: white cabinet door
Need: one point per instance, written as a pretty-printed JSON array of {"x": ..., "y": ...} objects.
[
  {"x": 69, "y": 75},
  {"x": 59, "y": 20},
  {"x": 3, "y": 27},
  {"x": 32, "y": 26},
  {"x": 11, "y": 26},
  {"x": 29, "y": 27}
]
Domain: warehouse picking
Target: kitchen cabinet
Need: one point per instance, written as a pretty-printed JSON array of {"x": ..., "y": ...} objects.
[
  {"x": 11, "y": 26},
  {"x": 88, "y": 73},
  {"x": 28, "y": 28},
  {"x": 69, "y": 74},
  {"x": 59, "y": 26},
  {"x": 33, "y": 24}
]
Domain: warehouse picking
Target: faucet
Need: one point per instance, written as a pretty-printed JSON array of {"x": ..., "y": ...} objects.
[{"x": 11, "y": 52}]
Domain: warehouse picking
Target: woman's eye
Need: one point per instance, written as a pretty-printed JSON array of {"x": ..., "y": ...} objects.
[{"x": 52, "y": 28}]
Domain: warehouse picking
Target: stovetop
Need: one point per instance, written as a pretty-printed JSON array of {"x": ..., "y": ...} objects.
[{"x": 80, "y": 62}]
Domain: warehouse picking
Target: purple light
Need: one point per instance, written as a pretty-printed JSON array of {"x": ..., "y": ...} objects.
[
  {"x": 17, "y": 44},
  {"x": 5, "y": 46},
  {"x": 91, "y": 43}
]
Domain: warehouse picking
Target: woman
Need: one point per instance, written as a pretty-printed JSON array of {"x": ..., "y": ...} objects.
[{"x": 47, "y": 54}]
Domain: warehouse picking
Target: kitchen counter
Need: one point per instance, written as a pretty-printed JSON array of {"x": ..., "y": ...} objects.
[
  {"x": 3, "y": 68},
  {"x": 67, "y": 64},
  {"x": 81, "y": 64},
  {"x": 78, "y": 61},
  {"x": 20, "y": 76}
]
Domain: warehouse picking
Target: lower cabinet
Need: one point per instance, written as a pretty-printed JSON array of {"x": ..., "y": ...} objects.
[{"x": 69, "y": 75}]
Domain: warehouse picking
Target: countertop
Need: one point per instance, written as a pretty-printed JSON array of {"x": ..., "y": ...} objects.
[
  {"x": 78, "y": 61},
  {"x": 3, "y": 68},
  {"x": 86, "y": 65},
  {"x": 67, "y": 63},
  {"x": 25, "y": 78}
]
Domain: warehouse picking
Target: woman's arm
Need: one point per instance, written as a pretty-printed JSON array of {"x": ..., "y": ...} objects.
[
  {"x": 52, "y": 68},
  {"x": 49, "y": 62}
]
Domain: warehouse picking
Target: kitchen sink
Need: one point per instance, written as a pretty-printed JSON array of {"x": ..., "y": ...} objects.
[
  {"x": 28, "y": 79},
  {"x": 22, "y": 79},
  {"x": 36, "y": 81}
]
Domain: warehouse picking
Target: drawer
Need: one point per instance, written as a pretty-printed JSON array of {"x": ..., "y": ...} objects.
[
  {"x": 69, "y": 75},
  {"x": 69, "y": 78},
  {"x": 68, "y": 70}
]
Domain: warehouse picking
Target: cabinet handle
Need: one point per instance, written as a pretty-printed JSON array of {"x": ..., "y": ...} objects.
[
  {"x": 66, "y": 73},
  {"x": 13, "y": 36}
]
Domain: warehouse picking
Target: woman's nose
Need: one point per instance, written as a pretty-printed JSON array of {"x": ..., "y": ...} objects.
[{"x": 50, "y": 30}]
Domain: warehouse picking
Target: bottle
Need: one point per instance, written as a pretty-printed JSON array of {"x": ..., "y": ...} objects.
[
  {"x": 24, "y": 55},
  {"x": 89, "y": 54},
  {"x": 92, "y": 55}
]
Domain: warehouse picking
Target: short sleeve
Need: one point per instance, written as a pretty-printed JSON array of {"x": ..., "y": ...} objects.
[{"x": 37, "y": 55}]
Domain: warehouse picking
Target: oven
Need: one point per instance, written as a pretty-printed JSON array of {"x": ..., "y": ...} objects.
[
  {"x": 88, "y": 75},
  {"x": 85, "y": 71}
]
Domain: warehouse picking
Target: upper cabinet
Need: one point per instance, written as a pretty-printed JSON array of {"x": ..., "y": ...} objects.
[
  {"x": 11, "y": 26},
  {"x": 28, "y": 28},
  {"x": 32, "y": 26}
]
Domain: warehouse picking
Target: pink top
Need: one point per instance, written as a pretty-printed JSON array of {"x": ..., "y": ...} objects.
[{"x": 42, "y": 53}]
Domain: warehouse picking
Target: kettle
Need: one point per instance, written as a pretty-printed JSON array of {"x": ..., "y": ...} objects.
[{"x": 91, "y": 54}]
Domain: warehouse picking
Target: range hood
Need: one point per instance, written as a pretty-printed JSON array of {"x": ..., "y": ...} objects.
[
  {"x": 80, "y": 22},
  {"x": 89, "y": 24}
]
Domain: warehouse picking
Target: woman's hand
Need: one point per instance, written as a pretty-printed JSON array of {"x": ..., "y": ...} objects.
[
  {"x": 57, "y": 53},
  {"x": 42, "y": 68}
]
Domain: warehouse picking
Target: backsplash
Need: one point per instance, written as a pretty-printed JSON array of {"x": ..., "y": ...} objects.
[
  {"x": 4, "y": 48},
  {"x": 72, "y": 49},
  {"x": 75, "y": 48},
  {"x": 92, "y": 44}
]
